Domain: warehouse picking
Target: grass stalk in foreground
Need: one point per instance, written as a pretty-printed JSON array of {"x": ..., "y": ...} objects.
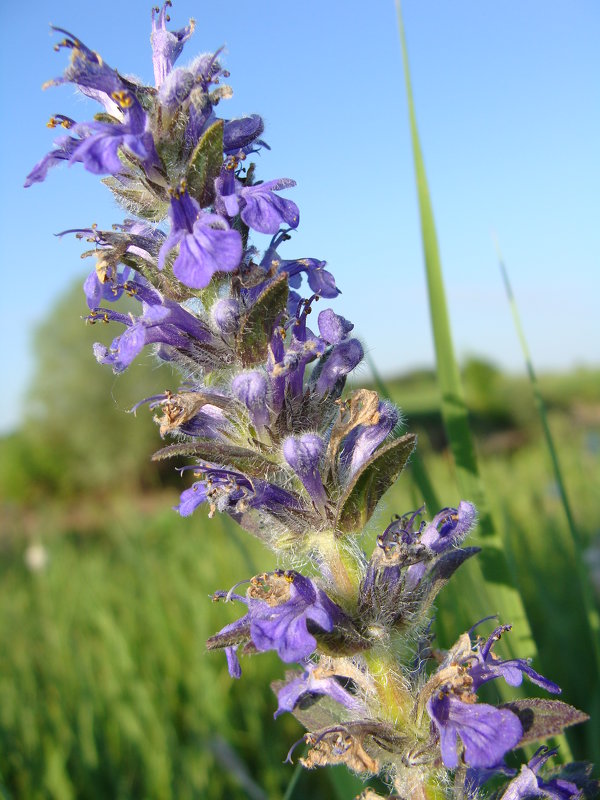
[
  {"x": 490, "y": 577},
  {"x": 490, "y": 571},
  {"x": 587, "y": 595},
  {"x": 291, "y": 787},
  {"x": 497, "y": 590}
]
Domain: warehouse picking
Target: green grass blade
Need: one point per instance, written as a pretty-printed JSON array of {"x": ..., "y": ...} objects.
[
  {"x": 495, "y": 589},
  {"x": 291, "y": 787},
  {"x": 584, "y": 583},
  {"x": 487, "y": 577}
]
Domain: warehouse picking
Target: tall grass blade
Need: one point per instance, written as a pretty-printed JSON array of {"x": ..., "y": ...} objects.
[
  {"x": 584, "y": 583},
  {"x": 495, "y": 588},
  {"x": 489, "y": 574},
  {"x": 291, "y": 787}
]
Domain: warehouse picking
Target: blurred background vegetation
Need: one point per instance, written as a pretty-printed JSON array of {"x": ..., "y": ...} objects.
[{"x": 106, "y": 690}]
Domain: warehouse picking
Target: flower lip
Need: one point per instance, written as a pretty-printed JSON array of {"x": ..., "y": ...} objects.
[
  {"x": 207, "y": 243},
  {"x": 314, "y": 680},
  {"x": 285, "y": 611},
  {"x": 487, "y": 733},
  {"x": 64, "y": 148},
  {"x": 332, "y": 327},
  {"x": 487, "y": 666}
]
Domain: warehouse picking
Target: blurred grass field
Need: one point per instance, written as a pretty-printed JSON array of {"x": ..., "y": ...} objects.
[{"x": 106, "y": 690}]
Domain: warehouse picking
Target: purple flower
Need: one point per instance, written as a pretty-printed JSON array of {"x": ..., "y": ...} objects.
[
  {"x": 162, "y": 321},
  {"x": 332, "y": 327},
  {"x": 64, "y": 148},
  {"x": 107, "y": 281},
  {"x": 285, "y": 627},
  {"x": 232, "y": 492},
  {"x": 314, "y": 680},
  {"x": 260, "y": 208},
  {"x": 303, "y": 454},
  {"x": 529, "y": 784},
  {"x": 226, "y": 314},
  {"x": 487, "y": 733},
  {"x": 488, "y": 666},
  {"x": 89, "y": 72},
  {"x": 166, "y": 45},
  {"x": 285, "y": 610},
  {"x": 207, "y": 243},
  {"x": 101, "y": 141},
  {"x": 99, "y": 150},
  {"x": 447, "y": 529},
  {"x": 342, "y": 360},
  {"x": 404, "y": 574},
  {"x": 362, "y": 441},
  {"x": 251, "y": 388}
]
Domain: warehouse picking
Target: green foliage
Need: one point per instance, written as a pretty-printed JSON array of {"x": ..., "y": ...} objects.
[
  {"x": 371, "y": 482},
  {"x": 205, "y": 164},
  {"x": 257, "y": 325},
  {"x": 106, "y": 689}
]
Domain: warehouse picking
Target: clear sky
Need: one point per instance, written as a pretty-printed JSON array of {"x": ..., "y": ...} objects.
[{"x": 507, "y": 98}]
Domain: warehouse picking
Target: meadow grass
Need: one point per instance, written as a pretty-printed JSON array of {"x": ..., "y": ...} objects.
[{"x": 106, "y": 689}]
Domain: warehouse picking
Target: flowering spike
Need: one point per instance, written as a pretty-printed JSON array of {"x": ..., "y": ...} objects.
[{"x": 273, "y": 444}]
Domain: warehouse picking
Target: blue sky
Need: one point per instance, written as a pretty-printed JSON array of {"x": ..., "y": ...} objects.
[{"x": 508, "y": 107}]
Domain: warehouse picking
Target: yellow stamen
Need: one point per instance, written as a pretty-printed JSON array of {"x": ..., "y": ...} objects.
[{"x": 123, "y": 98}]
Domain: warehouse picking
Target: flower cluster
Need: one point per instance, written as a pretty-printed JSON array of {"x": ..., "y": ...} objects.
[{"x": 275, "y": 442}]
